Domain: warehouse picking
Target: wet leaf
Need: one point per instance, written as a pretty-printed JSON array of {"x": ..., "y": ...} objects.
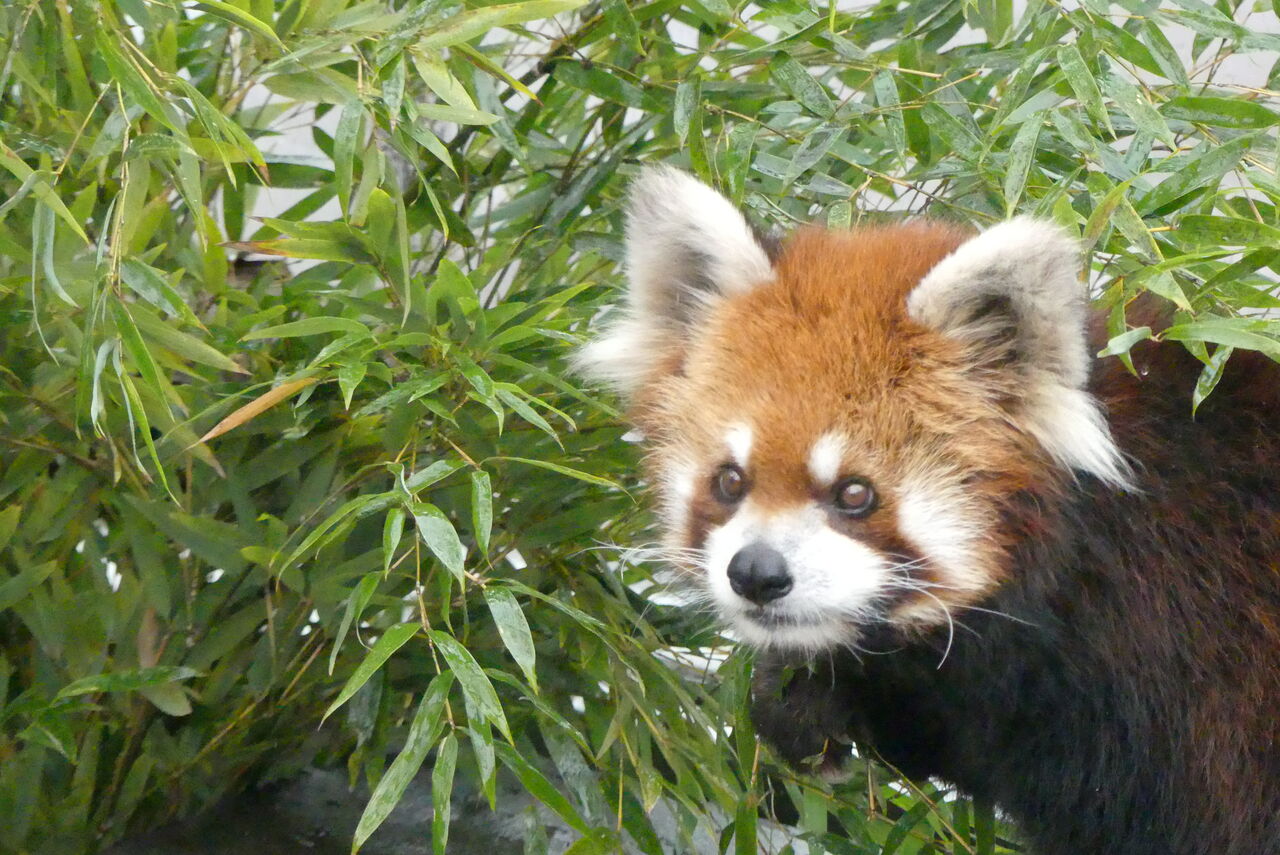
[
  {"x": 391, "y": 640},
  {"x": 509, "y": 618},
  {"x": 439, "y": 535},
  {"x": 427, "y": 721}
]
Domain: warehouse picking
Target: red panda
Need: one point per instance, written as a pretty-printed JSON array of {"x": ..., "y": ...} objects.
[{"x": 888, "y": 459}]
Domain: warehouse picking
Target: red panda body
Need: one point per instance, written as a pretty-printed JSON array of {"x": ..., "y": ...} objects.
[
  {"x": 883, "y": 456},
  {"x": 1122, "y": 693}
]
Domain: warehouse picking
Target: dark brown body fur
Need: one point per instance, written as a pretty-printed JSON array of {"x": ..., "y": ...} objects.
[{"x": 1128, "y": 700}]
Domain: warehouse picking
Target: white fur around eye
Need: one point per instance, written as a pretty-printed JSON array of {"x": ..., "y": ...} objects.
[
  {"x": 675, "y": 490},
  {"x": 826, "y": 459},
  {"x": 937, "y": 522},
  {"x": 738, "y": 439},
  {"x": 836, "y": 579}
]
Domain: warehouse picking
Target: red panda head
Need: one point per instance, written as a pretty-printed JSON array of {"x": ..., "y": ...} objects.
[{"x": 836, "y": 431}]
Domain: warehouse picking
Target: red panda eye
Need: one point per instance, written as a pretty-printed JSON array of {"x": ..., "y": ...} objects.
[
  {"x": 855, "y": 497},
  {"x": 728, "y": 484}
]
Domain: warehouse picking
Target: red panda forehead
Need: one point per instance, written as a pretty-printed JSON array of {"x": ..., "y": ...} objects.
[
  {"x": 861, "y": 271},
  {"x": 825, "y": 349},
  {"x": 830, "y": 335},
  {"x": 837, "y": 305}
]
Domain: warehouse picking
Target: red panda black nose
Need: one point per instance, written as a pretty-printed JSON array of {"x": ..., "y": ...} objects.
[{"x": 759, "y": 573}]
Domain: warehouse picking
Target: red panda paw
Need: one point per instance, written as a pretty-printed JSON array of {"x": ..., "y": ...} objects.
[{"x": 797, "y": 713}]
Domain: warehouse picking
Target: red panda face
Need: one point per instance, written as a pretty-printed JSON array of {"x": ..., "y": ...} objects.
[{"x": 835, "y": 434}]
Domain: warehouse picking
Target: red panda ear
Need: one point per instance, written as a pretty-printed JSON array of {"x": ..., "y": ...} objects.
[
  {"x": 1014, "y": 294},
  {"x": 687, "y": 247}
]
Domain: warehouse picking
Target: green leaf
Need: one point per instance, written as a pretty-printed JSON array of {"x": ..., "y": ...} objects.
[
  {"x": 145, "y": 281},
  {"x": 602, "y": 84},
  {"x": 886, "y": 91},
  {"x": 904, "y": 826},
  {"x": 1229, "y": 231},
  {"x": 427, "y": 721},
  {"x": 43, "y": 192},
  {"x": 1165, "y": 55},
  {"x": 745, "y": 840},
  {"x": 481, "y": 508},
  {"x": 8, "y": 525},
  {"x": 472, "y": 679},
  {"x": 351, "y": 252},
  {"x": 1135, "y": 104},
  {"x": 189, "y": 347},
  {"x": 540, "y": 788},
  {"x": 1206, "y": 168},
  {"x": 392, "y": 640},
  {"x": 984, "y": 824},
  {"x": 133, "y": 80},
  {"x": 126, "y": 681},
  {"x": 458, "y": 115},
  {"x": 476, "y": 22},
  {"x": 439, "y": 535},
  {"x": 441, "y": 789},
  {"x": 137, "y": 348},
  {"x": 309, "y": 326},
  {"x": 563, "y": 470},
  {"x": 509, "y": 618},
  {"x": 1082, "y": 82},
  {"x": 1021, "y": 155},
  {"x": 1210, "y": 375},
  {"x": 1246, "y": 333},
  {"x": 1220, "y": 112},
  {"x": 688, "y": 96},
  {"x": 15, "y": 589},
  {"x": 486, "y": 760},
  {"x": 435, "y": 73},
  {"x": 169, "y": 699},
  {"x": 1124, "y": 342},
  {"x": 356, "y": 602},
  {"x": 392, "y": 529},
  {"x": 793, "y": 77},
  {"x": 345, "y": 139},
  {"x": 430, "y": 474},
  {"x": 240, "y": 18}
]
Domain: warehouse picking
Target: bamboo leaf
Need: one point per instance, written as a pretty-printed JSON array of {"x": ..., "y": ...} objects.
[
  {"x": 427, "y": 721},
  {"x": 439, "y": 535},
  {"x": 472, "y": 679},
  {"x": 127, "y": 681},
  {"x": 481, "y": 507},
  {"x": 441, "y": 789},
  {"x": 509, "y": 618},
  {"x": 258, "y": 406},
  {"x": 240, "y": 18},
  {"x": 390, "y": 641},
  {"x": 475, "y": 22}
]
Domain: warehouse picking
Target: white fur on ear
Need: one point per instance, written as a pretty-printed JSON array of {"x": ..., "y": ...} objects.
[
  {"x": 687, "y": 246},
  {"x": 1022, "y": 278}
]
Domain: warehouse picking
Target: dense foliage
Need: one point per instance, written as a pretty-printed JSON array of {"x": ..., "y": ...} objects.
[{"x": 242, "y": 491}]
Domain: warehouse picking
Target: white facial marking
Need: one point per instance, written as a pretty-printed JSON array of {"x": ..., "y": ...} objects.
[
  {"x": 934, "y": 519},
  {"x": 835, "y": 578},
  {"x": 676, "y": 489},
  {"x": 738, "y": 439},
  {"x": 826, "y": 458}
]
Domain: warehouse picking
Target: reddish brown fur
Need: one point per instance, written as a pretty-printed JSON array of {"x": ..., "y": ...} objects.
[
  {"x": 1122, "y": 694},
  {"x": 828, "y": 346}
]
